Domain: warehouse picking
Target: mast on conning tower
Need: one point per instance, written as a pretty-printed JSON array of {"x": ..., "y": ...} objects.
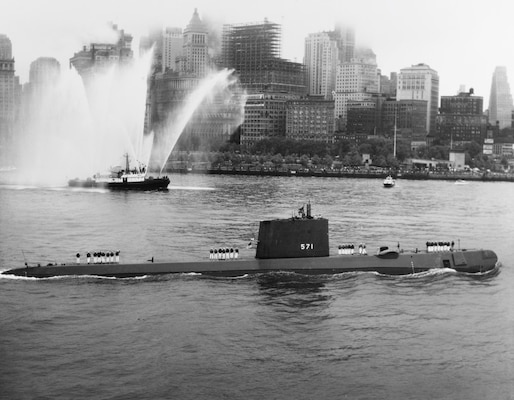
[{"x": 127, "y": 166}]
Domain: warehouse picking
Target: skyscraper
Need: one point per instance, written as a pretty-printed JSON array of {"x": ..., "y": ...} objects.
[
  {"x": 345, "y": 37},
  {"x": 9, "y": 97},
  {"x": 253, "y": 51},
  {"x": 324, "y": 51},
  {"x": 44, "y": 73},
  {"x": 500, "y": 100},
  {"x": 195, "y": 46},
  {"x": 321, "y": 57},
  {"x": 173, "y": 41},
  {"x": 420, "y": 82},
  {"x": 44, "y": 70}
]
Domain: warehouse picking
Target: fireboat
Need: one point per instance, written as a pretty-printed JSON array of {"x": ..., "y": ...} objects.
[{"x": 124, "y": 179}]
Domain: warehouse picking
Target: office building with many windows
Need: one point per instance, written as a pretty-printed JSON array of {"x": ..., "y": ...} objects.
[
  {"x": 420, "y": 82},
  {"x": 172, "y": 47},
  {"x": 357, "y": 80},
  {"x": 321, "y": 59},
  {"x": 461, "y": 119},
  {"x": 310, "y": 118}
]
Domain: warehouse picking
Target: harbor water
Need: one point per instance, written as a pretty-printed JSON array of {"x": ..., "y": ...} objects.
[{"x": 434, "y": 335}]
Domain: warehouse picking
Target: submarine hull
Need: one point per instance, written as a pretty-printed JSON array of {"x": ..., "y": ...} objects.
[{"x": 470, "y": 261}]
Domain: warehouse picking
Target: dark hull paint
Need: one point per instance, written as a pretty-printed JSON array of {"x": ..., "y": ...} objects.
[
  {"x": 470, "y": 261},
  {"x": 147, "y": 184}
]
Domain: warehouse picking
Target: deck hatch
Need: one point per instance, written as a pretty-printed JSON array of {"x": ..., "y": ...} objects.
[{"x": 459, "y": 259}]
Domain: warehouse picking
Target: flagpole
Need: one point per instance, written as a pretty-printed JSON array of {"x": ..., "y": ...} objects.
[{"x": 394, "y": 145}]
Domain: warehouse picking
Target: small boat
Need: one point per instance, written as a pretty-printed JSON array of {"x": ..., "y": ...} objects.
[
  {"x": 461, "y": 182},
  {"x": 389, "y": 181},
  {"x": 123, "y": 179}
]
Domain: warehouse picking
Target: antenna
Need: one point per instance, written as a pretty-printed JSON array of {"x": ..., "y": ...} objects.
[{"x": 24, "y": 258}]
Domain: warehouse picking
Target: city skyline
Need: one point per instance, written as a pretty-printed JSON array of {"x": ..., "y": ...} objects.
[{"x": 464, "y": 46}]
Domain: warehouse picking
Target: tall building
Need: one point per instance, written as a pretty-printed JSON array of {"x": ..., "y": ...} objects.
[
  {"x": 357, "y": 80},
  {"x": 9, "y": 99},
  {"x": 461, "y": 119},
  {"x": 186, "y": 62},
  {"x": 43, "y": 74},
  {"x": 253, "y": 51},
  {"x": 500, "y": 100},
  {"x": 420, "y": 82},
  {"x": 173, "y": 41},
  {"x": 345, "y": 37},
  {"x": 44, "y": 70},
  {"x": 195, "y": 46},
  {"x": 323, "y": 52},
  {"x": 321, "y": 58}
]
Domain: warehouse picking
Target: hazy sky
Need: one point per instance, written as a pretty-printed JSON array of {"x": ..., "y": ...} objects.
[{"x": 464, "y": 40}]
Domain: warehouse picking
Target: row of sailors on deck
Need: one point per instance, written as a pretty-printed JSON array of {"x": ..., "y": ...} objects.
[
  {"x": 101, "y": 257},
  {"x": 440, "y": 246},
  {"x": 349, "y": 248},
  {"x": 224, "y": 254}
]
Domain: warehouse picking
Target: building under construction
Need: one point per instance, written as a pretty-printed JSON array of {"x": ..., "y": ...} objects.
[{"x": 253, "y": 51}]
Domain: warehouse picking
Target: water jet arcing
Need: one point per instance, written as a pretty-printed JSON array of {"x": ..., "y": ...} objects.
[
  {"x": 69, "y": 130},
  {"x": 223, "y": 86},
  {"x": 72, "y": 130}
]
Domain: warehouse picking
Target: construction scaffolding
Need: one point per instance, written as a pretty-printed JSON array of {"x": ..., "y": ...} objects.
[
  {"x": 253, "y": 51},
  {"x": 251, "y": 46}
]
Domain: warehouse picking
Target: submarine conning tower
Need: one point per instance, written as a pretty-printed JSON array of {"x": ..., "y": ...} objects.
[{"x": 296, "y": 237}]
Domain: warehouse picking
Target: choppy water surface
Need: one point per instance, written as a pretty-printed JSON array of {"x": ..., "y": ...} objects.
[{"x": 436, "y": 335}]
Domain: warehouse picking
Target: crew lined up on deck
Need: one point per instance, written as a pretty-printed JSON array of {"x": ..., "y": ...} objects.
[
  {"x": 440, "y": 246},
  {"x": 224, "y": 254},
  {"x": 101, "y": 257},
  {"x": 349, "y": 248}
]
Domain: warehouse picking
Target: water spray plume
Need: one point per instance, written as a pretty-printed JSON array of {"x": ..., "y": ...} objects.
[
  {"x": 75, "y": 130},
  {"x": 72, "y": 130},
  {"x": 212, "y": 84}
]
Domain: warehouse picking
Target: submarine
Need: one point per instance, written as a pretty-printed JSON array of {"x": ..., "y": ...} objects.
[{"x": 297, "y": 244}]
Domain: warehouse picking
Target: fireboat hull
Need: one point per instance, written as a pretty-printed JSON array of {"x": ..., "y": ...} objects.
[
  {"x": 468, "y": 261},
  {"x": 147, "y": 184}
]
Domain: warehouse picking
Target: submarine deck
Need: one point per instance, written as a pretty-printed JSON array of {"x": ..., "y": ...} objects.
[{"x": 471, "y": 261}]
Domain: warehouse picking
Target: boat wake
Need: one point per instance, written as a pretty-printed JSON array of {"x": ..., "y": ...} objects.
[
  {"x": 190, "y": 188},
  {"x": 283, "y": 277},
  {"x": 51, "y": 188},
  {"x": 87, "y": 190},
  {"x": 20, "y": 187}
]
